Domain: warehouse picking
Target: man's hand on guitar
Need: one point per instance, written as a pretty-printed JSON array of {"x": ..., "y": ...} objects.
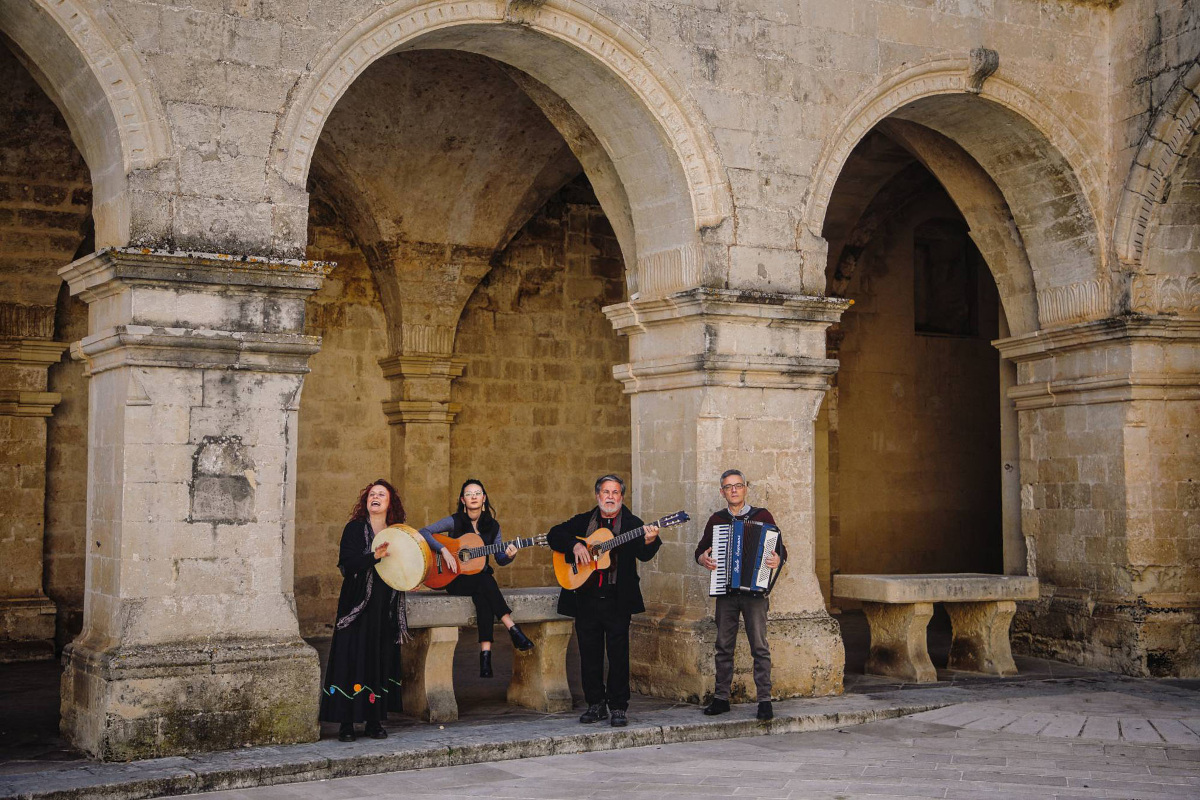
[
  {"x": 773, "y": 560},
  {"x": 450, "y": 560},
  {"x": 582, "y": 554},
  {"x": 651, "y": 533},
  {"x": 707, "y": 561}
]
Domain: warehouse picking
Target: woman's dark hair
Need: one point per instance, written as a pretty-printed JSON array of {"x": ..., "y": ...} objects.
[
  {"x": 395, "y": 512},
  {"x": 488, "y": 511}
]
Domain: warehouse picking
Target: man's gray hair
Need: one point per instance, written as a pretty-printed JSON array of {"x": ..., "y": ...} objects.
[
  {"x": 729, "y": 472},
  {"x": 603, "y": 479}
]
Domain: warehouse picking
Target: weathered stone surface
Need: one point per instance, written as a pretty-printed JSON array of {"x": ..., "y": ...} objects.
[
  {"x": 898, "y": 647},
  {"x": 959, "y": 588},
  {"x": 428, "y": 674},
  {"x": 980, "y": 642}
]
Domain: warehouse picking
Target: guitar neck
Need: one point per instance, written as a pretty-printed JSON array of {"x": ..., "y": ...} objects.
[
  {"x": 498, "y": 547},
  {"x": 628, "y": 536}
]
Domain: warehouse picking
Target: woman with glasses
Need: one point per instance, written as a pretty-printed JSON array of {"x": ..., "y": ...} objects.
[{"x": 475, "y": 515}]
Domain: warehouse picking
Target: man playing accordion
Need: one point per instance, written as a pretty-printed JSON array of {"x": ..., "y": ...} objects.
[{"x": 751, "y": 604}]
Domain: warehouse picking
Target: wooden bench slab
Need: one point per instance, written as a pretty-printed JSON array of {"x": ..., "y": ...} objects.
[
  {"x": 539, "y": 679},
  {"x": 898, "y": 609}
]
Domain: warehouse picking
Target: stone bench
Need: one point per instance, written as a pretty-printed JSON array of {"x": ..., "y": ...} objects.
[
  {"x": 898, "y": 608},
  {"x": 539, "y": 679}
]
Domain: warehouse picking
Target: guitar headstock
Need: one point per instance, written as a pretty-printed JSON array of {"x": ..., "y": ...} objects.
[
  {"x": 541, "y": 541},
  {"x": 678, "y": 518}
]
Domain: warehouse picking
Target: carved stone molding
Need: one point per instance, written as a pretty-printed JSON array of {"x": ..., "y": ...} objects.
[
  {"x": 935, "y": 77},
  {"x": 432, "y": 339},
  {"x": 404, "y": 412},
  {"x": 21, "y": 321},
  {"x": 422, "y": 366},
  {"x": 1165, "y": 294},
  {"x": 14, "y": 403},
  {"x": 1157, "y": 159},
  {"x": 618, "y": 49},
  {"x": 983, "y": 63},
  {"x": 1064, "y": 305},
  {"x": 668, "y": 271}
]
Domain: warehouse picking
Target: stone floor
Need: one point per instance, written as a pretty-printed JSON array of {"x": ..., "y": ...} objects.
[{"x": 1049, "y": 704}]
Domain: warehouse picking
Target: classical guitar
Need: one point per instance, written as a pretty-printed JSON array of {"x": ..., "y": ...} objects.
[
  {"x": 571, "y": 575},
  {"x": 470, "y": 553}
]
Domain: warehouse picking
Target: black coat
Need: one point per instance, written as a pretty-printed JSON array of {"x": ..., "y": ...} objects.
[{"x": 562, "y": 538}]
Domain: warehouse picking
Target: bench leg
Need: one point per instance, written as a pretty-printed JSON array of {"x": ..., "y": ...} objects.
[
  {"x": 539, "y": 679},
  {"x": 898, "y": 648},
  {"x": 980, "y": 642},
  {"x": 428, "y": 674}
]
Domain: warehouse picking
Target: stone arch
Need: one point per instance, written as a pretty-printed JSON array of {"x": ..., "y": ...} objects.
[
  {"x": 652, "y": 131},
  {"x": 1158, "y": 157},
  {"x": 1039, "y": 167},
  {"x": 92, "y": 74}
]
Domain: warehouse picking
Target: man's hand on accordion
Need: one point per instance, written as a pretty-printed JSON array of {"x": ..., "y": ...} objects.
[
  {"x": 707, "y": 561},
  {"x": 772, "y": 561}
]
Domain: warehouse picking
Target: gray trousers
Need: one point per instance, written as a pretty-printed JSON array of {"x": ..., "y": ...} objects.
[{"x": 754, "y": 611}]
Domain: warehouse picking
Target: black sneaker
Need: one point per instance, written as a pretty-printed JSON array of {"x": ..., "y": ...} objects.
[
  {"x": 765, "y": 711},
  {"x": 618, "y": 718},
  {"x": 595, "y": 712},
  {"x": 717, "y": 706},
  {"x": 346, "y": 733}
]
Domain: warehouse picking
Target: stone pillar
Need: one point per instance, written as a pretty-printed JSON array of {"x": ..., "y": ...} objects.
[
  {"x": 1109, "y": 418},
  {"x": 26, "y": 614},
  {"x": 420, "y": 413},
  {"x": 190, "y": 639},
  {"x": 727, "y": 379}
]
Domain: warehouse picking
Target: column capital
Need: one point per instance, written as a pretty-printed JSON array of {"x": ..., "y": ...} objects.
[
  {"x": 726, "y": 337},
  {"x": 403, "y": 412},
  {"x": 1134, "y": 357},
  {"x": 422, "y": 365},
  {"x": 31, "y": 352}
]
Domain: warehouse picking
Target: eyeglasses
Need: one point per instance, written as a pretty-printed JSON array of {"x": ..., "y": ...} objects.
[
  {"x": 472, "y": 494},
  {"x": 733, "y": 486}
]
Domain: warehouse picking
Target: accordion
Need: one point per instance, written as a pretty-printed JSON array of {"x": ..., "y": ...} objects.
[{"x": 740, "y": 550}]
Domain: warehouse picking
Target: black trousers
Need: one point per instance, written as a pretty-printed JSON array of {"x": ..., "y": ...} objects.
[
  {"x": 600, "y": 626},
  {"x": 489, "y": 603}
]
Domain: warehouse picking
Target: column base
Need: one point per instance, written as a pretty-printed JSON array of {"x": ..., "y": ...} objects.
[
  {"x": 672, "y": 657},
  {"x": 126, "y": 703},
  {"x": 1143, "y": 636},
  {"x": 26, "y": 629}
]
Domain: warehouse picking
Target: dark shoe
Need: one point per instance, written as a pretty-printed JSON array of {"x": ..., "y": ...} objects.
[
  {"x": 717, "y": 706},
  {"x": 485, "y": 663},
  {"x": 377, "y": 733},
  {"x": 346, "y": 733},
  {"x": 618, "y": 718},
  {"x": 595, "y": 712},
  {"x": 765, "y": 712},
  {"x": 520, "y": 640}
]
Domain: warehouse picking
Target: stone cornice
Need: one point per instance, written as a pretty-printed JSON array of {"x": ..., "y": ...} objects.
[
  {"x": 109, "y": 270},
  {"x": 16, "y": 403},
  {"x": 1045, "y": 343},
  {"x": 710, "y": 369},
  {"x": 422, "y": 366},
  {"x": 31, "y": 352},
  {"x": 403, "y": 412},
  {"x": 185, "y": 348},
  {"x": 638, "y": 315}
]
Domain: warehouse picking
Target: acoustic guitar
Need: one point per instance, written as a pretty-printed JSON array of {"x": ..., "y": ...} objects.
[
  {"x": 470, "y": 553},
  {"x": 571, "y": 575}
]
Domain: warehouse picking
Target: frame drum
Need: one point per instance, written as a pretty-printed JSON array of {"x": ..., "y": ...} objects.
[{"x": 407, "y": 560}]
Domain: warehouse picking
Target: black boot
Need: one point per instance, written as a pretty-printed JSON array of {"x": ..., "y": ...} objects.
[
  {"x": 717, "y": 706},
  {"x": 520, "y": 640},
  {"x": 485, "y": 663},
  {"x": 346, "y": 732}
]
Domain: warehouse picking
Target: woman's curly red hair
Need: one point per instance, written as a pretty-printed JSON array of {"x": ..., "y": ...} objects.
[{"x": 395, "y": 512}]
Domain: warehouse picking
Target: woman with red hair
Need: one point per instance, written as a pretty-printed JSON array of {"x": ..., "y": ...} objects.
[{"x": 362, "y": 680}]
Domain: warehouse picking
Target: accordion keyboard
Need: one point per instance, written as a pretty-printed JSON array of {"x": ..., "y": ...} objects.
[{"x": 718, "y": 580}]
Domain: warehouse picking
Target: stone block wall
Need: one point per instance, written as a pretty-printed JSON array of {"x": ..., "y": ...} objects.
[{"x": 542, "y": 416}]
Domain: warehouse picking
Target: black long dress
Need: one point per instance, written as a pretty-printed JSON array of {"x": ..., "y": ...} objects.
[{"x": 362, "y": 681}]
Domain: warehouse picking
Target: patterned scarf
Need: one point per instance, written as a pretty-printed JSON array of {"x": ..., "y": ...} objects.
[{"x": 399, "y": 609}]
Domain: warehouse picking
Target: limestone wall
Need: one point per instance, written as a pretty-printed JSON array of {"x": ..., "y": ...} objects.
[
  {"x": 344, "y": 442},
  {"x": 917, "y": 423},
  {"x": 542, "y": 415}
]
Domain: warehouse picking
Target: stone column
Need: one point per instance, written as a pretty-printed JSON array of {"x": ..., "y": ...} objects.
[
  {"x": 420, "y": 413},
  {"x": 1109, "y": 418},
  {"x": 26, "y": 614},
  {"x": 190, "y": 639},
  {"x": 727, "y": 379}
]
